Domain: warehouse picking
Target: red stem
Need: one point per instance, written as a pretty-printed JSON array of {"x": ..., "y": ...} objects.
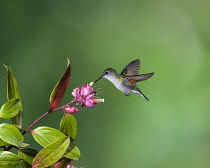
[{"x": 38, "y": 119}]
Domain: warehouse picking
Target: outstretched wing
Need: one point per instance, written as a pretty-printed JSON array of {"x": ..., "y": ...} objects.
[
  {"x": 132, "y": 80},
  {"x": 132, "y": 68}
]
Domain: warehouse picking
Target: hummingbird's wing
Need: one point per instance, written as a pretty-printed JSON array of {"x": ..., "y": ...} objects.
[
  {"x": 132, "y": 80},
  {"x": 132, "y": 68}
]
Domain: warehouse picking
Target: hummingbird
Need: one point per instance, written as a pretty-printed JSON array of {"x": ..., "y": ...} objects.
[{"x": 127, "y": 79}]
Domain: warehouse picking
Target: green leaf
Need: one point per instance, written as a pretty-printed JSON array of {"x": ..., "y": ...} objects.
[
  {"x": 12, "y": 88},
  {"x": 46, "y": 135},
  {"x": 10, "y": 109},
  {"x": 13, "y": 92},
  {"x": 8, "y": 159},
  {"x": 27, "y": 154},
  {"x": 73, "y": 152},
  {"x": 68, "y": 125},
  {"x": 63, "y": 162},
  {"x": 51, "y": 153},
  {"x": 11, "y": 135},
  {"x": 2, "y": 143},
  {"x": 60, "y": 88}
]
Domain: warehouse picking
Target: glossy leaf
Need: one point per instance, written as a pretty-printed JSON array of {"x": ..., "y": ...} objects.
[
  {"x": 73, "y": 152},
  {"x": 13, "y": 92},
  {"x": 11, "y": 135},
  {"x": 60, "y": 88},
  {"x": 2, "y": 143},
  {"x": 12, "y": 88},
  {"x": 51, "y": 153},
  {"x": 9, "y": 159},
  {"x": 27, "y": 154},
  {"x": 10, "y": 109},
  {"x": 46, "y": 135},
  {"x": 68, "y": 126},
  {"x": 63, "y": 162}
]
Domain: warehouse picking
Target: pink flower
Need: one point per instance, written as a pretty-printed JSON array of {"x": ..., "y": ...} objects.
[
  {"x": 86, "y": 95},
  {"x": 70, "y": 109}
]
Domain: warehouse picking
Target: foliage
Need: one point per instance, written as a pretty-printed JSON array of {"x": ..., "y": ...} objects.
[{"x": 58, "y": 147}]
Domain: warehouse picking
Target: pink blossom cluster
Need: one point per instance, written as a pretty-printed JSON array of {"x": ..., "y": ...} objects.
[{"x": 86, "y": 95}]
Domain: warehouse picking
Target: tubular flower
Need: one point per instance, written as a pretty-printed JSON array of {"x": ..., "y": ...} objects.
[
  {"x": 70, "y": 109},
  {"x": 86, "y": 95}
]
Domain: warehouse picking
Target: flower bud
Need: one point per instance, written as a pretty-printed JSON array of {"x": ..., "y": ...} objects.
[{"x": 70, "y": 109}]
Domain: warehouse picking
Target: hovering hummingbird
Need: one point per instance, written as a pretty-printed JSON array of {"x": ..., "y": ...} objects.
[{"x": 127, "y": 79}]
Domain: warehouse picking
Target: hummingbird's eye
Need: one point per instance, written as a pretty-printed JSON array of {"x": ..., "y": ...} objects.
[{"x": 106, "y": 72}]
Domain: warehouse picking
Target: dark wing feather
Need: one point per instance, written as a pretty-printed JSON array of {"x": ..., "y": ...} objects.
[
  {"x": 132, "y": 68},
  {"x": 132, "y": 80}
]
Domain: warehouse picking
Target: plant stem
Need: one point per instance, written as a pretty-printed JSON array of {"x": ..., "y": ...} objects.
[
  {"x": 37, "y": 120},
  {"x": 10, "y": 147}
]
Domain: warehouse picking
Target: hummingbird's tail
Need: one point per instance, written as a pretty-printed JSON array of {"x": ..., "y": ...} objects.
[{"x": 142, "y": 95}]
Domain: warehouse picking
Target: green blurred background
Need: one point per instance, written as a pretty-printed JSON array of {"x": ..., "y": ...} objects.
[{"x": 171, "y": 38}]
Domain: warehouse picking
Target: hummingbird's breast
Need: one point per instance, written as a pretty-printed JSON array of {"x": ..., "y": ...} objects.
[{"x": 118, "y": 83}]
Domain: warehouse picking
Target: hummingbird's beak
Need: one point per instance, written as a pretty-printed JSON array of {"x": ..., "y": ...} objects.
[{"x": 98, "y": 79}]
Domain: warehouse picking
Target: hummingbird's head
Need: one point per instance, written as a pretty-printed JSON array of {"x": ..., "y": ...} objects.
[{"x": 108, "y": 73}]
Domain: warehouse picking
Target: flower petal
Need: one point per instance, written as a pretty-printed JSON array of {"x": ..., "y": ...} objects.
[
  {"x": 89, "y": 103},
  {"x": 75, "y": 92},
  {"x": 86, "y": 90},
  {"x": 91, "y": 96}
]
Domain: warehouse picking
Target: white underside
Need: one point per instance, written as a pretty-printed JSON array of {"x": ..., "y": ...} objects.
[{"x": 116, "y": 83}]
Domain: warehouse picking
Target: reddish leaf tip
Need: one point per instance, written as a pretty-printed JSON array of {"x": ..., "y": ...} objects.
[{"x": 60, "y": 88}]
